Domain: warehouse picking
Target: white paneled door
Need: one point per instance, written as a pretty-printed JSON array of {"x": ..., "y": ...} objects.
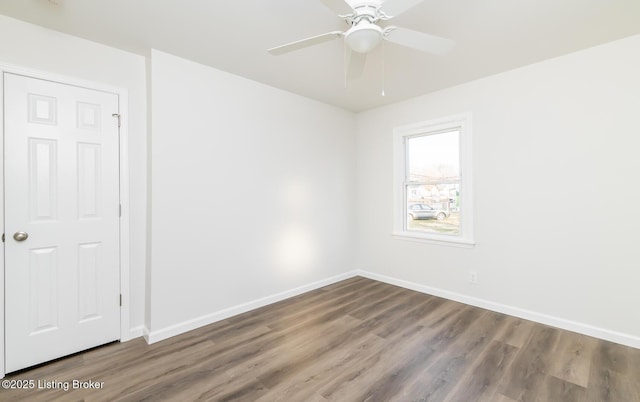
[{"x": 62, "y": 272}]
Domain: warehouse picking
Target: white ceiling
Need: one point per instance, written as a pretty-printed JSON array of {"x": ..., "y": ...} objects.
[{"x": 492, "y": 36}]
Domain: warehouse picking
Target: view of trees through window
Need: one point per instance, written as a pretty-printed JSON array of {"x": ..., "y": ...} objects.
[{"x": 433, "y": 183}]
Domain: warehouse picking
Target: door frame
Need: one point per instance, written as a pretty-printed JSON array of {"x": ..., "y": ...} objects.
[{"x": 123, "y": 106}]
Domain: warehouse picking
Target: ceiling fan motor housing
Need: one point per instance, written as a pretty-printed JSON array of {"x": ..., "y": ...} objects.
[{"x": 364, "y": 34}]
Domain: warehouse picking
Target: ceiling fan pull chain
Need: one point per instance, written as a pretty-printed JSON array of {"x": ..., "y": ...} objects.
[
  {"x": 383, "y": 69},
  {"x": 345, "y": 64}
]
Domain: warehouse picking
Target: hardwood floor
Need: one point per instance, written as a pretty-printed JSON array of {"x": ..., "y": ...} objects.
[{"x": 357, "y": 340}]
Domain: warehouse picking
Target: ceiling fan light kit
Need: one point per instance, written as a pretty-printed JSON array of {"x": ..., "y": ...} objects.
[
  {"x": 364, "y": 37},
  {"x": 365, "y": 34}
]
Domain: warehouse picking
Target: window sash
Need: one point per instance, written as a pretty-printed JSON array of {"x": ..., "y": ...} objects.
[{"x": 461, "y": 124}]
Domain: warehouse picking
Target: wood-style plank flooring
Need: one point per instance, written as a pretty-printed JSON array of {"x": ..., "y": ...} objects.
[{"x": 357, "y": 340}]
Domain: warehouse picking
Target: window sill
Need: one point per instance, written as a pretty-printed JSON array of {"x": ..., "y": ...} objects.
[{"x": 439, "y": 240}]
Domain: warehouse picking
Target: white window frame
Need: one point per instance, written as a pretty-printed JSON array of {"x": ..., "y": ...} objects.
[{"x": 461, "y": 122}]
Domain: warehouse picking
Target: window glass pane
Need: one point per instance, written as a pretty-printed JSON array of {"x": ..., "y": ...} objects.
[
  {"x": 434, "y": 157},
  {"x": 433, "y": 183}
]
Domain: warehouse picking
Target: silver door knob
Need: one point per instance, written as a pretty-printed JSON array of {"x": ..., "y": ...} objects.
[{"x": 20, "y": 236}]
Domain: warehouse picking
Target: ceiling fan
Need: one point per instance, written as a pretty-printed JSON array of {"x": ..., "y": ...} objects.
[{"x": 365, "y": 33}]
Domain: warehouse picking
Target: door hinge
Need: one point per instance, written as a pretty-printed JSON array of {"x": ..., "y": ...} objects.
[
  {"x": 118, "y": 116},
  {"x": 3, "y": 237},
  {"x": 120, "y": 210},
  {"x": 121, "y": 300}
]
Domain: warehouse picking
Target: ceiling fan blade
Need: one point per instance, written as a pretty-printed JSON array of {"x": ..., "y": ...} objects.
[
  {"x": 418, "y": 40},
  {"x": 393, "y": 8},
  {"x": 340, "y": 7},
  {"x": 314, "y": 40},
  {"x": 355, "y": 64}
]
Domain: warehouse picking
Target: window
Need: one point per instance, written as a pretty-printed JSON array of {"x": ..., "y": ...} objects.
[{"x": 433, "y": 193}]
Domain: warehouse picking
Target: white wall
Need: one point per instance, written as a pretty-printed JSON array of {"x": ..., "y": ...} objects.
[
  {"x": 37, "y": 48},
  {"x": 252, "y": 194},
  {"x": 557, "y": 192}
]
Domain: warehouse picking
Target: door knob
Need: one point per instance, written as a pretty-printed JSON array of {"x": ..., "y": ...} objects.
[{"x": 20, "y": 236}]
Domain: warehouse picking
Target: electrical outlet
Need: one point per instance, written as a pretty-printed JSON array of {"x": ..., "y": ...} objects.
[{"x": 473, "y": 277}]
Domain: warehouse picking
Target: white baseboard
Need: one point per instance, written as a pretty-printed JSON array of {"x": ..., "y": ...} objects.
[
  {"x": 177, "y": 329},
  {"x": 581, "y": 328}
]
